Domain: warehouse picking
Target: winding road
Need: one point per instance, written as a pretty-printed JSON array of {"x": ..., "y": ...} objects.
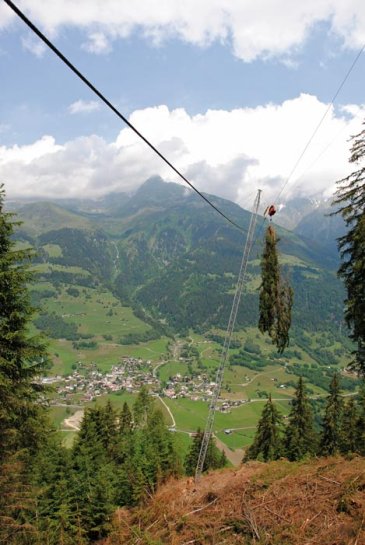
[{"x": 169, "y": 411}]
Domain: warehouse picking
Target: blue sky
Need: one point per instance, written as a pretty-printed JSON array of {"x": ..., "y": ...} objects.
[{"x": 224, "y": 100}]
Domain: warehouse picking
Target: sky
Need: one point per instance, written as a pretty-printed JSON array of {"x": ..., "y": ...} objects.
[{"x": 230, "y": 91}]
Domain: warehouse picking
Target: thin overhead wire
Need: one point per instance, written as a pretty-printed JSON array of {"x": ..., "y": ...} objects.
[
  {"x": 324, "y": 149},
  {"x": 102, "y": 97},
  {"x": 316, "y": 129}
]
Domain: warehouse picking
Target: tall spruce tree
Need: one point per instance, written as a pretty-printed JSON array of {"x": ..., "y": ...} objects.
[
  {"x": 142, "y": 407},
  {"x": 300, "y": 437},
  {"x": 125, "y": 420},
  {"x": 213, "y": 459},
  {"x": 332, "y": 422},
  {"x": 348, "y": 440},
  {"x": 350, "y": 200},
  {"x": 270, "y": 279},
  {"x": 161, "y": 441},
  {"x": 22, "y": 359},
  {"x": 267, "y": 444},
  {"x": 276, "y": 296},
  {"x": 58, "y": 519},
  {"x": 360, "y": 423}
]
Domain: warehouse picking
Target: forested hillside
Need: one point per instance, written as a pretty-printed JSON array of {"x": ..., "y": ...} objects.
[{"x": 164, "y": 250}]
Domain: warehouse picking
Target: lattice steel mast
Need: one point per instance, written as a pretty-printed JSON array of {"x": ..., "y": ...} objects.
[{"x": 227, "y": 340}]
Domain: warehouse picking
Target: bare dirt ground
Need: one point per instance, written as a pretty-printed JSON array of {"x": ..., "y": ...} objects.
[
  {"x": 73, "y": 422},
  {"x": 234, "y": 456}
]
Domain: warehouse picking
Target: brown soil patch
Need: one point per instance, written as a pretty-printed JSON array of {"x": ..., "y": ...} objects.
[
  {"x": 74, "y": 421},
  {"x": 321, "y": 502},
  {"x": 234, "y": 456}
]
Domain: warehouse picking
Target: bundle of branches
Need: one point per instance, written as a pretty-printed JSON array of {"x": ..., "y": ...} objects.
[{"x": 276, "y": 296}]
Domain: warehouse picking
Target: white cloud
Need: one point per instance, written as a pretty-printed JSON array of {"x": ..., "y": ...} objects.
[
  {"x": 27, "y": 154},
  {"x": 34, "y": 45},
  {"x": 228, "y": 153},
  {"x": 263, "y": 28},
  {"x": 6, "y": 15},
  {"x": 83, "y": 106},
  {"x": 97, "y": 43}
]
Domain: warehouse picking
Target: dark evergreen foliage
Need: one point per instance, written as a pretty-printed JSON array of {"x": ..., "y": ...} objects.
[
  {"x": 142, "y": 407},
  {"x": 360, "y": 424},
  {"x": 56, "y": 327},
  {"x": 350, "y": 200},
  {"x": 111, "y": 464},
  {"x": 214, "y": 458},
  {"x": 331, "y": 439},
  {"x": 125, "y": 421},
  {"x": 276, "y": 296},
  {"x": 348, "y": 438},
  {"x": 300, "y": 438},
  {"x": 267, "y": 444},
  {"x": 22, "y": 359},
  {"x": 84, "y": 249},
  {"x": 270, "y": 280}
]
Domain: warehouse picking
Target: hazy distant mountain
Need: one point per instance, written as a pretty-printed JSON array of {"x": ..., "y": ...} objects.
[
  {"x": 294, "y": 210},
  {"x": 312, "y": 220},
  {"x": 39, "y": 217},
  {"x": 321, "y": 226}
]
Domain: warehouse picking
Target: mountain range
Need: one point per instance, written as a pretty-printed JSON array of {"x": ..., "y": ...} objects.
[{"x": 166, "y": 252}]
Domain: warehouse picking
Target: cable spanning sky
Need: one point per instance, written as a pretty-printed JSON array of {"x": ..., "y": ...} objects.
[{"x": 230, "y": 91}]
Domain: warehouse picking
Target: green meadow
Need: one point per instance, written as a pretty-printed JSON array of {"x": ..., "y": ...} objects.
[{"x": 101, "y": 318}]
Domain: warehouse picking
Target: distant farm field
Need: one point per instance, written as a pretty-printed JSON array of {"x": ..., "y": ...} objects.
[{"x": 102, "y": 322}]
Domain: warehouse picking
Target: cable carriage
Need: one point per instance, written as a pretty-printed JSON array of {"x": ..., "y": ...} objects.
[{"x": 270, "y": 211}]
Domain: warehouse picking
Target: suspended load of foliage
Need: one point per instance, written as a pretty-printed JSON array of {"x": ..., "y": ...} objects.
[{"x": 276, "y": 296}]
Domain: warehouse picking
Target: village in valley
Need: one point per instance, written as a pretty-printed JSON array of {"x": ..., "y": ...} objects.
[{"x": 87, "y": 382}]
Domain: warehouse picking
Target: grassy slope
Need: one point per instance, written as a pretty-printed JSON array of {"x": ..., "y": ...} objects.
[
  {"x": 97, "y": 312},
  {"x": 318, "y": 502},
  {"x": 90, "y": 312}
]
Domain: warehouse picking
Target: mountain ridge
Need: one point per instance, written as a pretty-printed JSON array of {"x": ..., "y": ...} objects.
[{"x": 164, "y": 250}]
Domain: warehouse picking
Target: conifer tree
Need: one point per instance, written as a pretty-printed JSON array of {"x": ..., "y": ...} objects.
[
  {"x": 99, "y": 506},
  {"x": 23, "y": 427},
  {"x": 213, "y": 459},
  {"x": 332, "y": 422},
  {"x": 223, "y": 459},
  {"x": 276, "y": 296},
  {"x": 22, "y": 357},
  {"x": 192, "y": 456},
  {"x": 360, "y": 424},
  {"x": 108, "y": 428},
  {"x": 350, "y": 200},
  {"x": 283, "y": 320},
  {"x": 300, "y": 437},
  {"x": 89, "y": 443},
  {"x": 267, "y": 444},
  {"x": 157, "y": 436},
  {"x": 17, "y": 503},
  {"x": 142, "y": 407},
  {"x": 270, "y": 279},
  {"x": 349, "y": 428},
  {"x": 57, "y": 503},
  {"x": 125, "y": 422}
]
